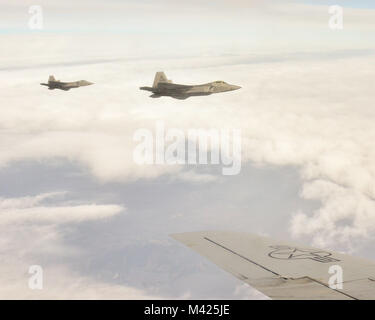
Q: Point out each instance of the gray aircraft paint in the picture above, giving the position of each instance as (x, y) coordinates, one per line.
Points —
(164, 87)
(57, 84)
(282, 270)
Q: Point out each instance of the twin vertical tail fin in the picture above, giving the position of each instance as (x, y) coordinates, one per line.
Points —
(51, 78)
(160, 77)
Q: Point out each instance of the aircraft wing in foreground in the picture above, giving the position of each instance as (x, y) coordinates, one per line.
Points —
(283, 270)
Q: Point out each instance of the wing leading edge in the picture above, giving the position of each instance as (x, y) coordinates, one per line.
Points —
(283, 270)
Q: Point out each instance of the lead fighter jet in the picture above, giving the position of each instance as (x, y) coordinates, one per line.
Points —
(164, 87)
(57, 84)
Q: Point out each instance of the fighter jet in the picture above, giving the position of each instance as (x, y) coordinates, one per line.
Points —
(164, 87)
(57, 84)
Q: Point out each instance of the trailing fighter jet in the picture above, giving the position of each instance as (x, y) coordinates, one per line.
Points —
(164, 87)
(283, 270)
(57, 84)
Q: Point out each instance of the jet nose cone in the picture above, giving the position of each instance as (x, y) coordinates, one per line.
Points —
(86, 83)
(235, 87)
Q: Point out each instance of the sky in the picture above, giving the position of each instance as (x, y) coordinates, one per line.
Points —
(73, 200)
(347, 3)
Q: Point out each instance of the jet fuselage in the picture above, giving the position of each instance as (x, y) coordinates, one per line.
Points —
(56, 84)
(164, 87)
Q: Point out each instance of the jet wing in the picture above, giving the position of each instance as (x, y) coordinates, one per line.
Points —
(74, 84)
(284, 270)
(174, 86)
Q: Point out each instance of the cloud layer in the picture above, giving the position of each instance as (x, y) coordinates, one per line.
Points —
(27, 209)
(314, 115)
(30, 228)
(306, 103)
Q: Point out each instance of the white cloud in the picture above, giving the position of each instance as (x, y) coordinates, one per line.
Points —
(28, 210)
(307, 105)
(60, 283)
(315, 114)
(345, 217)
(27, 202)
(24, 242)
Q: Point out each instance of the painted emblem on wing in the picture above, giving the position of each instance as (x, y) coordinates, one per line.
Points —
(293, 253)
